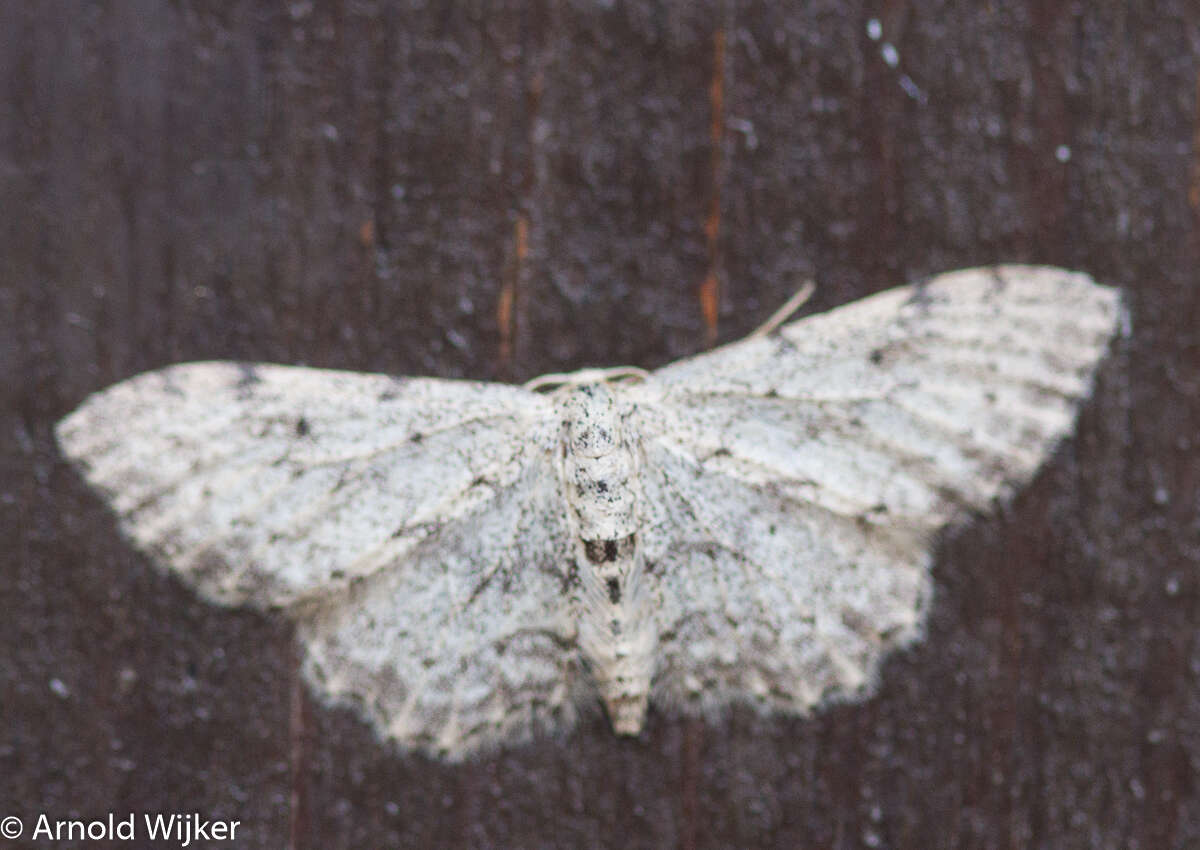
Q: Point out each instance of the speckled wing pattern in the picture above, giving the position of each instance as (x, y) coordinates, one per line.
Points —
(408, 524)
(467, 562)
(799, 477)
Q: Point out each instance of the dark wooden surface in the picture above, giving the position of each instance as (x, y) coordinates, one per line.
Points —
(495, 192)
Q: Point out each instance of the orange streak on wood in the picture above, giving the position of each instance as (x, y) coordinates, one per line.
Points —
(710, 289)
(716, 89)
(709, 292)
(366, 233)
(505, 312)
(712, 224)
(522, 238)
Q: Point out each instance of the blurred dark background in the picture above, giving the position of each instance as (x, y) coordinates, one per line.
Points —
(496, 191)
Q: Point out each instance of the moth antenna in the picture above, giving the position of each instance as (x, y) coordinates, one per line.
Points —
(585, 376)
(784, 313)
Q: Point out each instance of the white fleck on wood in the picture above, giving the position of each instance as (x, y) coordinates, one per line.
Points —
(468, 562)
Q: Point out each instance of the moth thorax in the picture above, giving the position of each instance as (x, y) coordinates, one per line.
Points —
(599, 466)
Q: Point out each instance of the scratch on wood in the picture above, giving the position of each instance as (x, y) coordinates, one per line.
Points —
(1194, 171)
(299, 826)
(693, 731)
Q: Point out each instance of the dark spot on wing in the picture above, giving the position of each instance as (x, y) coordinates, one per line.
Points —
(393, 392)
(872, 514)
(424, 529)
(858, 622)
(607, 551)
(601, 551)
(594, 549)
(416, 437)
(876, 356)
(570, 578)
(783, 345)
(921, 298)
(247, 377)
(479, 588)
(302, 428)
(614, 591)
(167, 378)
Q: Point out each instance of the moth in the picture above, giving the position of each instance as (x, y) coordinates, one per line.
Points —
(469, 562)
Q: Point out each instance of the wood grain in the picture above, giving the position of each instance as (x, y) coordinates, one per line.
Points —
(339, 184)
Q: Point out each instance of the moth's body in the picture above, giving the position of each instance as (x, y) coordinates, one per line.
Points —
(751, 525)
(599, 467)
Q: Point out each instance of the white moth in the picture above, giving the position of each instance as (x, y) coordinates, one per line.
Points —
(466, 562)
